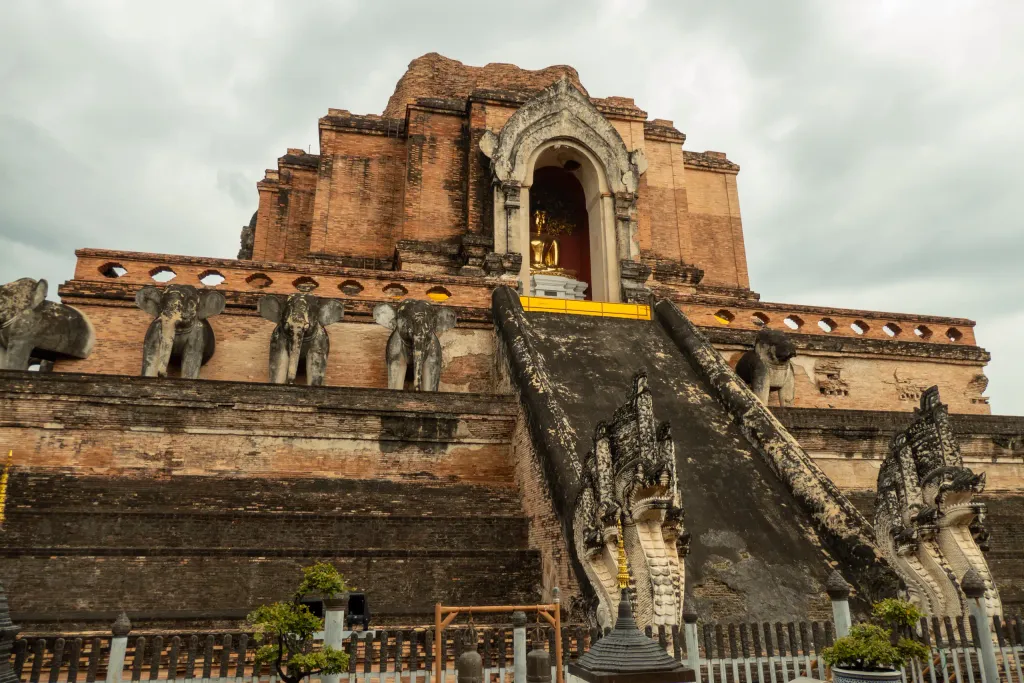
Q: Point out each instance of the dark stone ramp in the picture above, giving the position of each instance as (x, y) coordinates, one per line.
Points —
(755, 552)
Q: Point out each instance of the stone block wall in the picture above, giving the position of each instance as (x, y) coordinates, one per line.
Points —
(189, 502)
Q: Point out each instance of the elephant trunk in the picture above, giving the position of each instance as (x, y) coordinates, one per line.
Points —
(294, 352)
(168, 328)
(419, 353)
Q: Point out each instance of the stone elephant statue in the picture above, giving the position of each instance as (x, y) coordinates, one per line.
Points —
(33, 329)
(416, 326)
(300, 334)
(180, 329)
(769, 366)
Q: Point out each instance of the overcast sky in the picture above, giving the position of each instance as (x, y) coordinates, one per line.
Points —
(882, 141)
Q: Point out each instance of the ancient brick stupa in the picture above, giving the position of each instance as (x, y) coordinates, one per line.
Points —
(445, 360)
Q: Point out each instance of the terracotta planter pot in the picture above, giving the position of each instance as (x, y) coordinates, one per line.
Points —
(840, 675)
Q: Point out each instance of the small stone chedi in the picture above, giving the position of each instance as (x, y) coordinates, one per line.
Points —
(631, 475)
(626, 655)
(300, 335)
(770, 366)
(180, 329)
(415, 327)
(926, 519)
(33, 328)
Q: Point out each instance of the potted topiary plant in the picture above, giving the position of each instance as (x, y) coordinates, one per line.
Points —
(876, 651)
(291, 626)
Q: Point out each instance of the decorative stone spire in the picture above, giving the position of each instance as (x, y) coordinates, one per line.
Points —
(623, 563)
(837, 587)
(973, 585)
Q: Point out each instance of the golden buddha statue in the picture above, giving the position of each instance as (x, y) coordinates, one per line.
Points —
(544, 251)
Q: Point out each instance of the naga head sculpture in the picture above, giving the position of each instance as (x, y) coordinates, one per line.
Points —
(927, 522)
(630, 476)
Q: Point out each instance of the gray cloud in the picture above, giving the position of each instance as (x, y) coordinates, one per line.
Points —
(880, 141)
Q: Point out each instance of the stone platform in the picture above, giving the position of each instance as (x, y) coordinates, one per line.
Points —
(187, 503)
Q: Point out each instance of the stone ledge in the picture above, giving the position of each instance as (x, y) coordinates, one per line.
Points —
(854, 345)
(710, 161)
(178, 406)
(889, 421)
(174, 551)
(228, 394)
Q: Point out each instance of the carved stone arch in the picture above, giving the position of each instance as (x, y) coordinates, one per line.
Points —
(563, 113)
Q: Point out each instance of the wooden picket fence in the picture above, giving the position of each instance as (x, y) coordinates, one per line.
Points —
(725, 653)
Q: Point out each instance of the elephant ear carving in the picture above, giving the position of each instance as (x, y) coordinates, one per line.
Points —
(148, 299)
(21, 295)
(444, 319)
(331, 311)
(210, 304)
(271, 307)
(385, 314)
(39, 294)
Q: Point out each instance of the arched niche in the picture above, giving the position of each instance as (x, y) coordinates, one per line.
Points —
(561, 123)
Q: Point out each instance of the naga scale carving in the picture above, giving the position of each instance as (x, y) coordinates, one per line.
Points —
(631, 475)
(926, 519)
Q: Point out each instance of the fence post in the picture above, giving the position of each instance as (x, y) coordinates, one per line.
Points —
(334, 625)
(118, 646)
(519, 646)
(974, 588)
(8, 632)
(839, 593)
(692, 646)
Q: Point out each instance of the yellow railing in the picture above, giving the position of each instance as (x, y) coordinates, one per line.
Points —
(3, 486)
(540, 304)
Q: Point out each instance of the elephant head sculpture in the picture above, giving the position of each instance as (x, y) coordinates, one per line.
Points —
(416, 326)
(33, 329)
(180, 329)
(300, 334)
(770, 366)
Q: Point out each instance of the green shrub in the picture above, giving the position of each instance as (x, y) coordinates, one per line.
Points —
(291, 626)
(885, 645)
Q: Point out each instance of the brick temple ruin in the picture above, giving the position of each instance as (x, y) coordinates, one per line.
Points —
(556, 293)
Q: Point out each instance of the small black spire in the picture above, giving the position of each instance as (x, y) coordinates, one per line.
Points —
(627, 654)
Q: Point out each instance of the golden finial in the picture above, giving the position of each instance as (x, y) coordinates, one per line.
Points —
(623, 567)
(3, 486)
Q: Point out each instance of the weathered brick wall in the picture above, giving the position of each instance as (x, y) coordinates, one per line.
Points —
(715, 227)
(663, 205)
(402, 586)
(849, 445)
(882, 383)
(358, 206)
(104, 424)
(545, 531)
(433, 75)
(191, 501)
(357, 357)
(416, 173)
(436, 175)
